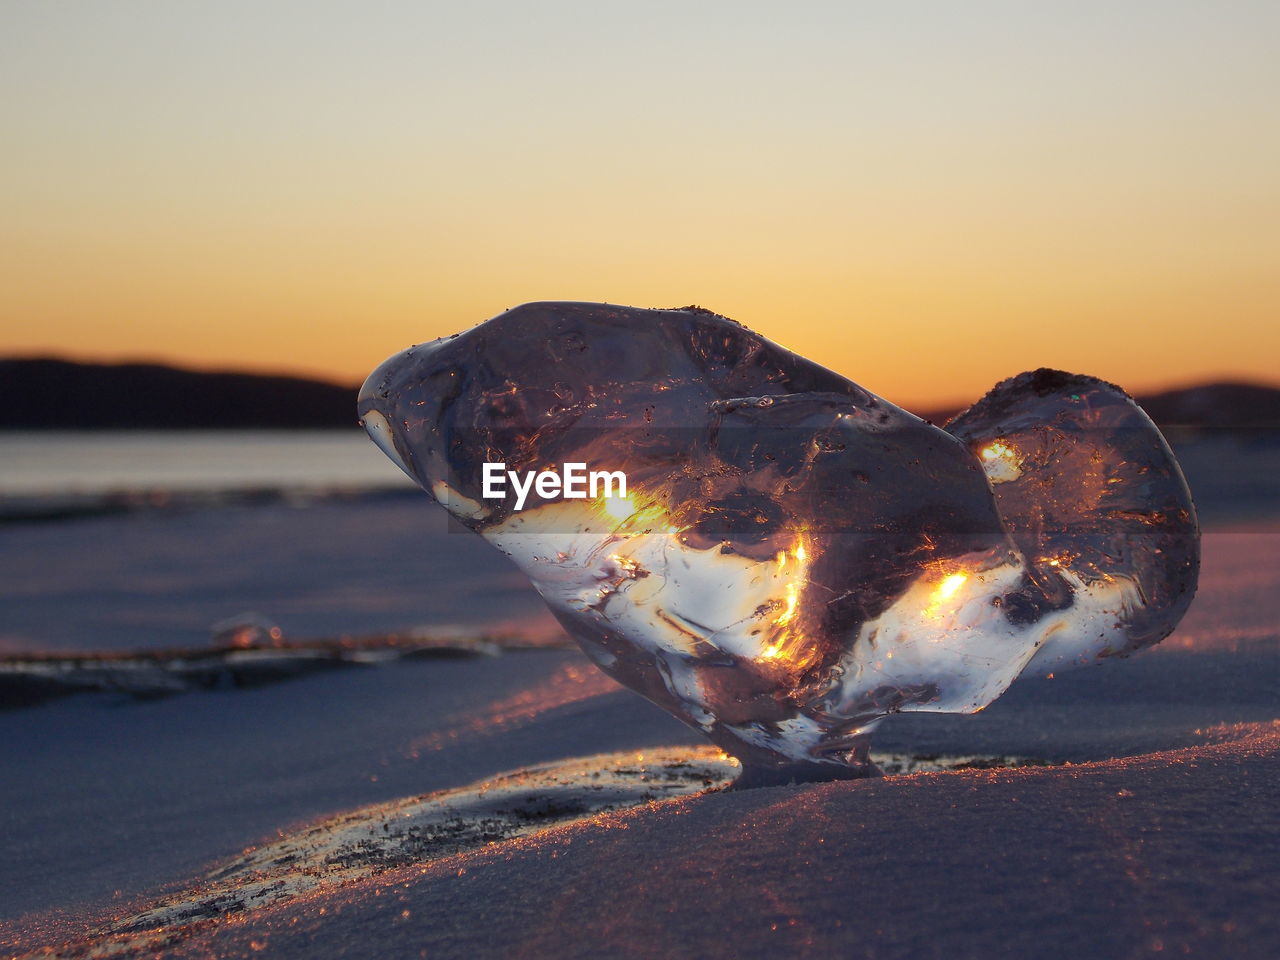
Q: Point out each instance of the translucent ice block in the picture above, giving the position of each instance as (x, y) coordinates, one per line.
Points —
(794, 557)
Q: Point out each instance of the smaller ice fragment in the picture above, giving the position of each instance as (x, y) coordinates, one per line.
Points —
(1096, 503)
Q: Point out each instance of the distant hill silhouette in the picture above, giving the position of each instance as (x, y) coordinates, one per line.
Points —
(1214, 406)
(60, 394)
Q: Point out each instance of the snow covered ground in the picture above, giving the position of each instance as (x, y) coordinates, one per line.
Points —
(1160, 836)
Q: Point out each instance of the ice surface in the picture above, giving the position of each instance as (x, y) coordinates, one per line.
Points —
(796, 557)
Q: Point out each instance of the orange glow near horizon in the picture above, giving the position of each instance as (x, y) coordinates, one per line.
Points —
(926, 202)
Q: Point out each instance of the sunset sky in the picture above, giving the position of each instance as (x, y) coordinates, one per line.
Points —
(926, 196)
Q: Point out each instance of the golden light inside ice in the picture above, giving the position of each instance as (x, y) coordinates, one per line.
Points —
(946, 589)
(792, 564)
(638, 512)
(1001, 461)
(620, 508)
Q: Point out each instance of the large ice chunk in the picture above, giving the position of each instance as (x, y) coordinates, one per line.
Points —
(795, 557)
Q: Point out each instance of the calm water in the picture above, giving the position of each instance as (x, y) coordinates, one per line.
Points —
(106, 462)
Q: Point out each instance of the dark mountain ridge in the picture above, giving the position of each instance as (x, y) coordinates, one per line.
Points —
(46, 393)
(53, 394)
(1209, 406)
